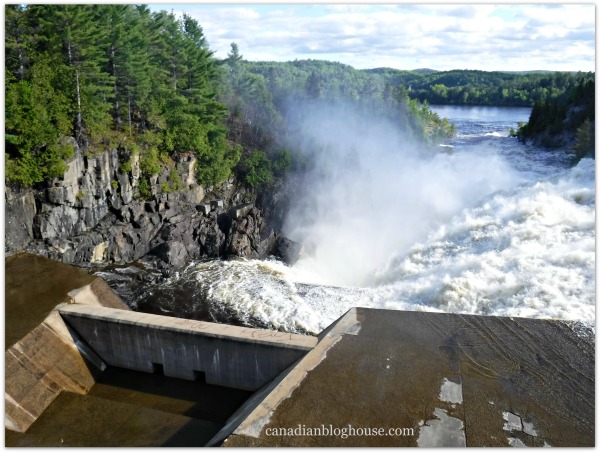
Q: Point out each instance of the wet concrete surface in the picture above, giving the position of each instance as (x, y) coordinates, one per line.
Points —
(446, 380)
(133, 409)
(33, 286)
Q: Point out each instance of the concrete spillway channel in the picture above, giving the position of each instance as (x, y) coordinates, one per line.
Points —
(93, 373)
(112, 376)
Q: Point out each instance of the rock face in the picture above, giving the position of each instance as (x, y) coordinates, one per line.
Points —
(245, 238)
(19, 214)
(95, 214)
(287, 250)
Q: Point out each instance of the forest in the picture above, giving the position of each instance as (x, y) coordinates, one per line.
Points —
(469, 87)
(554, 123)
(123, 77)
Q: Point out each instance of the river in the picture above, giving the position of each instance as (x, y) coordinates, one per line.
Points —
(487, 225)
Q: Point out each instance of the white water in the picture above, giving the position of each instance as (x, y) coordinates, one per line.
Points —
(515, 236)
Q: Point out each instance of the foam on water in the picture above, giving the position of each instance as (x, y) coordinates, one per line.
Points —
(526, 252)
(493, 227)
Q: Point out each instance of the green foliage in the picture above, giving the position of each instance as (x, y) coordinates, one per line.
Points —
(257, 169)
(114, 184)
(473, 87)
(144, 188)
(175, 180)
(282, 163)
(573, 114)
(253, 119)
(149, 162)
(585, 140)
(80, 195)
(330, 83)
(111, 76)
(216, 167)
(36, 118)
(122, 76)
(125, 166)
(173, 183)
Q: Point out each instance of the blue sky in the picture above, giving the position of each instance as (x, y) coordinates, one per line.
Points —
(516, 37)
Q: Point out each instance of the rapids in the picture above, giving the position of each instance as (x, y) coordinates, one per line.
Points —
(515, 236)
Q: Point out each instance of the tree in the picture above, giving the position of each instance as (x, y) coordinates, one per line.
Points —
(585, 140)
(37, 116)
(74, 34)
(20, 39)
(97, 71)
(314, 86)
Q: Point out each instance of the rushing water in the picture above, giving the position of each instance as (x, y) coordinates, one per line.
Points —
(521, 242)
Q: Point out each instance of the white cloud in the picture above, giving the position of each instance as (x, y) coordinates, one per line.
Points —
(404, 36)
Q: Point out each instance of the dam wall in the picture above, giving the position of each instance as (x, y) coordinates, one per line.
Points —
(231, 356)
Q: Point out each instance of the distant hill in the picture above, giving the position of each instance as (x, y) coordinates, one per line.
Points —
(475, 87)
(455, 87)
(425, 70)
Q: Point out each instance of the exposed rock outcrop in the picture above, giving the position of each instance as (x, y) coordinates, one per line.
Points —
(95, 214)
(287, 250)
(245, 235)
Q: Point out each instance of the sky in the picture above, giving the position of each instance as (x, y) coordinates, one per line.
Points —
(505, 37)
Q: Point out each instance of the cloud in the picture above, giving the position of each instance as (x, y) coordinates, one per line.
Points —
(474, 36)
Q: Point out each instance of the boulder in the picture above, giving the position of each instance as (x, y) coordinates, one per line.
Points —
(287, 250)
(244, 234)
(216, 204)
(204, 208)
(173, 253)
(241, 210)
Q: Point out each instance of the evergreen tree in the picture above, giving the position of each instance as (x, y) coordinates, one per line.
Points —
(74, 32)
(585, 140)
(20, 39)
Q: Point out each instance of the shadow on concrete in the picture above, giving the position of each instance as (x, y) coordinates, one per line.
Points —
(195, 399)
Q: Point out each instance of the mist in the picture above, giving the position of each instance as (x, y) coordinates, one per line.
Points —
(369, 191)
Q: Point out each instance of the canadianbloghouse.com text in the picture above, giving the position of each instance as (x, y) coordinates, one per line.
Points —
(343, 432)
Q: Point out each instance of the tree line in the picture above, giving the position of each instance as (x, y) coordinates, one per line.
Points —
(121, 76)
(110, 76)
(552, 123)
(495, 88)
(261, 94)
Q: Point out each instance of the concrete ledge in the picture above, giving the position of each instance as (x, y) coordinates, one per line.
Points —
(230, 356)
(208, 329)
(49, 357)
(97, 293)
(47, 361)
(240, 211)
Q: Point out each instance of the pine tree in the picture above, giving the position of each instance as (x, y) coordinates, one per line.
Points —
(20, 39)
(74, 32)
(585, 140)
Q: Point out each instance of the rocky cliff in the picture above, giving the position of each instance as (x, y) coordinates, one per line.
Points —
(95, 214)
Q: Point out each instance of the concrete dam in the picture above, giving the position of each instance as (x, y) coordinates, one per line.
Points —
(86, 371)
